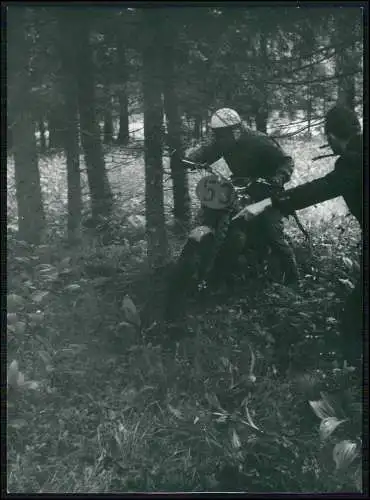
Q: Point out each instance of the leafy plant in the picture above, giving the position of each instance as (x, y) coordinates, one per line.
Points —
(346, 453)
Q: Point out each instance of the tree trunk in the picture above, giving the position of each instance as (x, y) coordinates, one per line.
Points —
(262, 108)
(197, 127)
(31, 219)
(41, 126)
(207, 125)
(56, 129)
(71, 135)
(345, 62)
(309, 109)
(261, 117)
(73, 171)
(309, 41)
(51, 130)
(346, 84)
(108, 123)
(100, 192)
(123, 134)
(9, 138)
(181, 199)
(153, 132)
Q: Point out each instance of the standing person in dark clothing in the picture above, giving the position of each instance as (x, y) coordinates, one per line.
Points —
(343, 132)
(253, 156)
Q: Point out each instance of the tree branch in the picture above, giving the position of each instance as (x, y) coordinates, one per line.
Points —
(292, 134)
(310, 55)
(296, 70)
(309, 82)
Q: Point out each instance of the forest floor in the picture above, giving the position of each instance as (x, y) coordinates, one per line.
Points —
(108, 409)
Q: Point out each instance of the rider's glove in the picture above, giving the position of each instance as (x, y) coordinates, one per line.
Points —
(281, 202)
(260, 189)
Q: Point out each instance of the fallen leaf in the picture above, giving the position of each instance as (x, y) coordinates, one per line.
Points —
(358, 478)
(15, 303)
(347, 283)
(235, 440)
(17, 423)
(137, 221)
(65, 262)
(19, 327)
(22, 260)
(20, 380)
(74, 349)
(38, 297)
(72, 287)
(177, 413)
(13, 372)
(37, 317)
(328, 426)
(45, 357)
(344, 453)
(331, 320)
(32, 384)
(11, 318)
(125, 323)
(322, 409)
(348, 262)
(130, 311)
(102, 280)
(249, 418)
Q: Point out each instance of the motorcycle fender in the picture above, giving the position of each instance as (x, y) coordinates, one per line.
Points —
(200, 232)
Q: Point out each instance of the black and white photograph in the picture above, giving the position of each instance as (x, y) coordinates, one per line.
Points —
(186, 272)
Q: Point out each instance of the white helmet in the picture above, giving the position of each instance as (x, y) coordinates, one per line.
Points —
(225, 117)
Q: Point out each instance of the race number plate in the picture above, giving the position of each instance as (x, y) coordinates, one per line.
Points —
(215, 193)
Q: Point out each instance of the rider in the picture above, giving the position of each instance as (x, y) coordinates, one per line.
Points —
(252, 156)
(344, 136)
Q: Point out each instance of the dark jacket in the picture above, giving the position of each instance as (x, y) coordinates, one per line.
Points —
(345, 180)
(254, 155)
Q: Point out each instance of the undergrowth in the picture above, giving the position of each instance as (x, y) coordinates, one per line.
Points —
(97, 402)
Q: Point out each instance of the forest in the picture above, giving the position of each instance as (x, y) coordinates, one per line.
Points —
(102, 104)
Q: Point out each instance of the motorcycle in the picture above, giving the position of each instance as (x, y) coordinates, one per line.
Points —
(220, 247)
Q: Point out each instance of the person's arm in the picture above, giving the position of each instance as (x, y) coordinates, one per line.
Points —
(311, 193)
(344, 177)
(281, 164)
(296, 198)
(205, 152)
(284, 171)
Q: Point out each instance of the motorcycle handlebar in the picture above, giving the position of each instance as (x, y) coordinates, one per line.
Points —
(193, 165)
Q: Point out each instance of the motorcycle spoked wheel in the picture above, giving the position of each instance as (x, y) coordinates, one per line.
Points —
(187, 276)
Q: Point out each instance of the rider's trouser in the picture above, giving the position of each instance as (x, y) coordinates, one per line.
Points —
(272, 228)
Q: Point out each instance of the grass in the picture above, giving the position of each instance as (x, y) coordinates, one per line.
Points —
(112, 410)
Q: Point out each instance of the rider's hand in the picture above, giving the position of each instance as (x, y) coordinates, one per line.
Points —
(260, 189)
